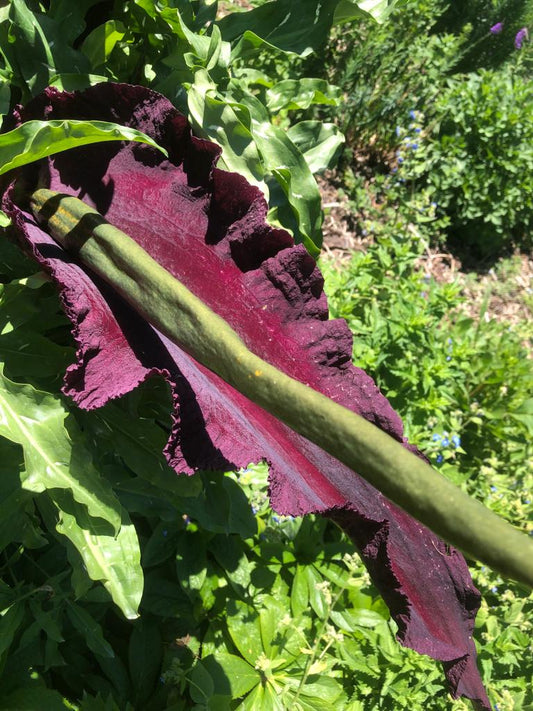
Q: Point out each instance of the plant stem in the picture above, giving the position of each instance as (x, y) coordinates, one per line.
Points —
(170, 307)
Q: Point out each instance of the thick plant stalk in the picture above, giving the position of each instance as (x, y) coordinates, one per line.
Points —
(168, 305)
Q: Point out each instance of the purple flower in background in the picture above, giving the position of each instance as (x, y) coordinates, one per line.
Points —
(521, 35)
(497, 28)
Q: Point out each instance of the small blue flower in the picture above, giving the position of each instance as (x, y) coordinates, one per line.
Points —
(165, 533)
(417, 129)
(400, 159)
(398, 130)
(414, 146)
(456, 440)
(494, 589)
(494, 488)
(445, 442)
(254, 509)
(412, 114)
(434, 204)
(448, 358)
(439, 458)
(436, 437)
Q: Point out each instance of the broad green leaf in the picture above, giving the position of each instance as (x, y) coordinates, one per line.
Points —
(245, 631)
(10, 621)
(33, 697)
(352, 620)
(5, 98)
(70, 16)
(202, 687)
(16, 506)
(263, 698)
(299, 592)
(320, 143)
(284, 160)
(241, 676)
(145, 654)
(40, 50)
(30, 51)
(348, 10)
(140, 442)
(297, 26)
(76, 82)
(113, 559)
(295, 94)
(34, 140)
(54, 458)
(28, 354)
(228, 124)
(524, 414)
(90, 629)
(101, 41)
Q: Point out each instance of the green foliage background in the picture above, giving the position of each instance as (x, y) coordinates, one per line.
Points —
(241, 608)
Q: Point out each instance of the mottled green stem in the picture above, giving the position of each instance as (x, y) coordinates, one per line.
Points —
(169, 306)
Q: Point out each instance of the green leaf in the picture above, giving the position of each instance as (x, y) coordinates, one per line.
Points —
(34, 140)
(348, 10)
(292, 94)
(145, 654)
(299, 592)
(238, 677)
(28, 354)
(17, 522)
(202, 686)
(34, 697)
(524, 414)
(320, 143)
(40, 50)
(76, 82)
(70, 17)
(228, 124)
(294, 26)
(90, 630)
(245, 630)
(30, 51)
(10, 621)
(287, 164)
(99, 44)
(113, 559)
(54, 459)
(352, 620)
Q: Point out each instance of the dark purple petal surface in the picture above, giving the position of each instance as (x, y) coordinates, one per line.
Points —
(208, 228)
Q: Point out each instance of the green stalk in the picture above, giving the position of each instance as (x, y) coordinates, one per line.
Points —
(169, 306)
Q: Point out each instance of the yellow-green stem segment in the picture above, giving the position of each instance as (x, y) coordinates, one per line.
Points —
(169, 306)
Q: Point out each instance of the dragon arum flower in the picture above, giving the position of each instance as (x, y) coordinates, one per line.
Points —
(207, 228)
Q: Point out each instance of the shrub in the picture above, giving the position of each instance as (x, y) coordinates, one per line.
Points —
(475, 156)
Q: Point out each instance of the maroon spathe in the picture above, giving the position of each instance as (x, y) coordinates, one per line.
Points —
(207, 227)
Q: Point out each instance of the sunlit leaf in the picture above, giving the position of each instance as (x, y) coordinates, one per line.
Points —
(37, 139)
(36, 420)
